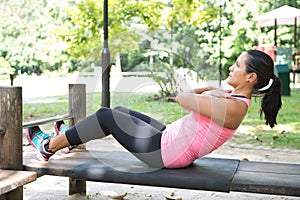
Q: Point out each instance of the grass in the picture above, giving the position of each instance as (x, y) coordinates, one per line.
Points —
(37, 111)
(252, 131)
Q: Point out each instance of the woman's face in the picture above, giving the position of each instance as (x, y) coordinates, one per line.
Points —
(238, 74)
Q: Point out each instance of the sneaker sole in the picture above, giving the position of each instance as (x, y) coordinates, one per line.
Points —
(56, 129)
(38, 153)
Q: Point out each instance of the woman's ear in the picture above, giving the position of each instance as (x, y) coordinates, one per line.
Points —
(252, 77)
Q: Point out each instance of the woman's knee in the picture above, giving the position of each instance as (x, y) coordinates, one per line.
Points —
(102, 112)
(121, 108)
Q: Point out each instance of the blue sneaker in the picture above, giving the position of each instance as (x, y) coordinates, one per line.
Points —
(39, 140)
(60, 128)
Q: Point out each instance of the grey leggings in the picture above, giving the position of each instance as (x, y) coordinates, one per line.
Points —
(138, 133)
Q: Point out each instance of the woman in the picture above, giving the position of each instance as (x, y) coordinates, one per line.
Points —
(214, 117)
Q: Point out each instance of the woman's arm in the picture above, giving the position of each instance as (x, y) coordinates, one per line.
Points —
(213, 91)
(226, 112)
(200, 90)
(191, 92)
(203, 89)
(196, 91)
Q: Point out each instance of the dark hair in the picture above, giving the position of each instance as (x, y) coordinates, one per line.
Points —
(263, 65)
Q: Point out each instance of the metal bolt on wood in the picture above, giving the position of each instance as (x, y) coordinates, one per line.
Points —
(2, 130)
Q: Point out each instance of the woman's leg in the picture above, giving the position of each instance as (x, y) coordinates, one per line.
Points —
(136, 135)
(156, 124)
(85, 130)
(58, 143)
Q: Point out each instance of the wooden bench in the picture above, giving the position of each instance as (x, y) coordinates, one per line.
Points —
(211, 174)
(12, 179)
(11, 125)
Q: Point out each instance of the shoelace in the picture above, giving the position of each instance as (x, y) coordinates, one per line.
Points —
(64, 129)
(42, 134)
(52, 134)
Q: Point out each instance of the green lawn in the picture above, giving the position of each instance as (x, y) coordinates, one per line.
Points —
(252, 131)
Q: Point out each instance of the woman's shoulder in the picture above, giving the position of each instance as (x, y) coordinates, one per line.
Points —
(241, 98)
(236, 109)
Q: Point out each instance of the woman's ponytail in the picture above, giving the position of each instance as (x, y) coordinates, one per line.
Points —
(268, 85)
(271, 102)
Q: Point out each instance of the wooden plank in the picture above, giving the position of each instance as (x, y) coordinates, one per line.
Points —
(268, 167)
(11, 179)
(267, 178)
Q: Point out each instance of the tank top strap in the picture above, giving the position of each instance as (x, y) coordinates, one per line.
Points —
(242, 98)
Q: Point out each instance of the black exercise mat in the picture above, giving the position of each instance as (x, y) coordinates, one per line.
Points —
(122, 167)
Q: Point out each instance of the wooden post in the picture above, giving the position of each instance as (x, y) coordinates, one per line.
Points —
(77, 107)
(11, 156)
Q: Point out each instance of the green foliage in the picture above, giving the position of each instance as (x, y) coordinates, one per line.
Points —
(83, 31)
(188, 12)
(26, 42)
(134, 61)
(164, 75)
(62, 35)
(5, 67)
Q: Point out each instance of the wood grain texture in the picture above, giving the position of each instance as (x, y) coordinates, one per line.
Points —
(11, 179)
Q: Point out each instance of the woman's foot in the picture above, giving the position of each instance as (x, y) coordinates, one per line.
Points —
(39, 140)
(60, 128)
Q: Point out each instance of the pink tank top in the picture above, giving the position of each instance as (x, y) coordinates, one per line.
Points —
(192, 137)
